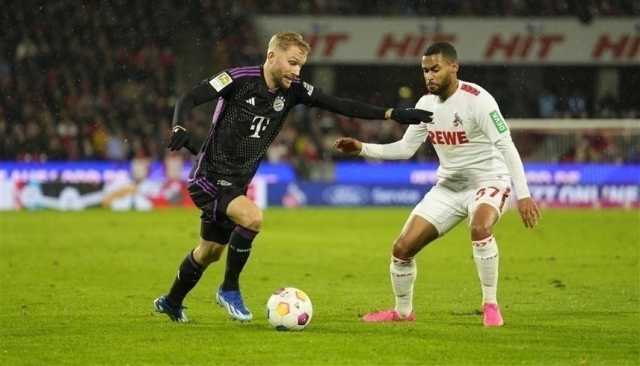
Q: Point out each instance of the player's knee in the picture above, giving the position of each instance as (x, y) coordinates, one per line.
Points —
(402, 248)
(252, 220)
(480, 231)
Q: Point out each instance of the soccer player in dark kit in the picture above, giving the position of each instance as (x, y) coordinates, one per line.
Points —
(252, 104)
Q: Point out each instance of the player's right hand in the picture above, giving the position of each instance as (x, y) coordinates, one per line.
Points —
(411, 116)
(179, 138)
(348, 145)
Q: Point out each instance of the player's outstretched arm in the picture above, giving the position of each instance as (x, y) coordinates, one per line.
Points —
(404, 148)
(354, 108)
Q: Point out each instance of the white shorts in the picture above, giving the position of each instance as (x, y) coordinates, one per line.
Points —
(445, 208)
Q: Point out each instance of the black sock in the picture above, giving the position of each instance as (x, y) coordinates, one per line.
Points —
(188, 275)
(237, 255)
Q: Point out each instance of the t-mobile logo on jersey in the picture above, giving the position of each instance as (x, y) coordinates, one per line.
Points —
(258, 125)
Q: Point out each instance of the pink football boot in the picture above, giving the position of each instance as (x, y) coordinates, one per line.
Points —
(491, 315)
(387, 316)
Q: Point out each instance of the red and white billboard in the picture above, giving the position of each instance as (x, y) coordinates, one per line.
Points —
(389, 40)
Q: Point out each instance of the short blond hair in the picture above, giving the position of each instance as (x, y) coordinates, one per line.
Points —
(284, 40)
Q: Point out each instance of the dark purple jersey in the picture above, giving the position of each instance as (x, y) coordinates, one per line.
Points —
(246, 120)
(248, 117)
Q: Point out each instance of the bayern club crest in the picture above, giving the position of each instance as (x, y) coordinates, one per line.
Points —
(278, 104)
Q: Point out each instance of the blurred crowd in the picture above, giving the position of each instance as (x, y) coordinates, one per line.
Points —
(98, 80)
(82, 80)
(586, 9)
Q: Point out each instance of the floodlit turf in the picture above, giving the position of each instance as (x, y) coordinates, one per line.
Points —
(77, 288)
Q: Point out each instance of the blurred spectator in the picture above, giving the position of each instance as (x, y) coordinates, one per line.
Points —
(547, 104)
(405, 98)
(607, 107)
(577, 105)
(116, 148)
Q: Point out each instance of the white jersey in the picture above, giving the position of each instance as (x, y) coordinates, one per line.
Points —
(469, 135)
(463, 133)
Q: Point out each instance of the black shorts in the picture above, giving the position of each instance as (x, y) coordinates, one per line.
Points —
(212, 200)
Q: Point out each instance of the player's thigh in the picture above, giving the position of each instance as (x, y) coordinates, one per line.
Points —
(442, 207)
(488, 201)
(415, 235)
(215, 226)
(244, 212)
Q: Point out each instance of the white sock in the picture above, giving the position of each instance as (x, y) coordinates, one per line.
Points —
(485, 254)
(403, 275)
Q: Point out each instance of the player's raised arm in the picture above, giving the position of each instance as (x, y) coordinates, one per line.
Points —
(494, 126)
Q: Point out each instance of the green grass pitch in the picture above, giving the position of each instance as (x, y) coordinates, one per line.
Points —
(77, 288)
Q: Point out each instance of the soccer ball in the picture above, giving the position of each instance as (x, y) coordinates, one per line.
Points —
(289, 309)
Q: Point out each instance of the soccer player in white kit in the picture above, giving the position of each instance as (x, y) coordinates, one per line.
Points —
(477, 162)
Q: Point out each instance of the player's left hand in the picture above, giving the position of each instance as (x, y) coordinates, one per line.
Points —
(529, 212)
(411, 116)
